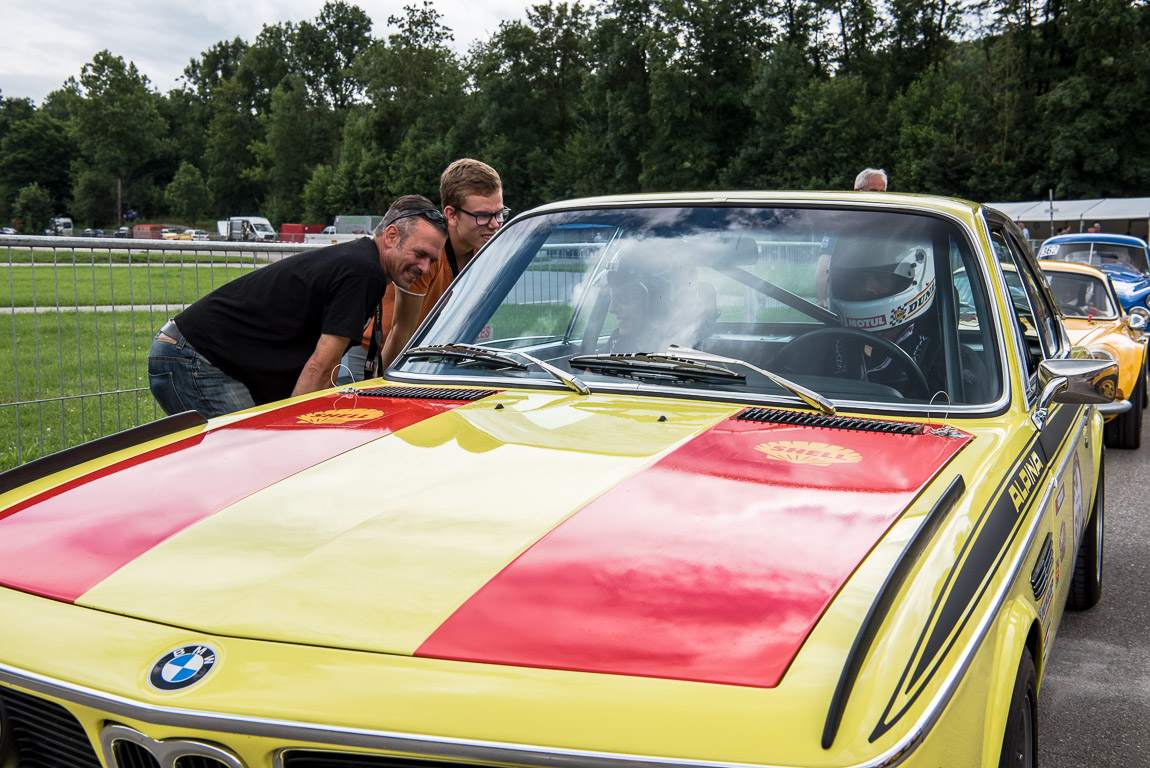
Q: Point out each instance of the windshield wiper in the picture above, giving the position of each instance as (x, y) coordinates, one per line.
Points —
(653, 365)
(808, 396)
(502, 357)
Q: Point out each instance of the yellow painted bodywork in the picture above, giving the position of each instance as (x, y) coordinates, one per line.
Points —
(281, 683)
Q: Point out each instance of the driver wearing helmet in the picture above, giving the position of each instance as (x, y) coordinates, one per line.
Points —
(887, 288)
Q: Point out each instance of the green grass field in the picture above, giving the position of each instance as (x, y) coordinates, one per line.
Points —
(59, 361)
(70, 376)
(87, 285)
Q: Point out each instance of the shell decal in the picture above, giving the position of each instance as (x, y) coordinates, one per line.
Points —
(340, 416)
(811, 453)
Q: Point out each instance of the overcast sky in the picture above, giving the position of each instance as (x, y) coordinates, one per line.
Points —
(44, 42)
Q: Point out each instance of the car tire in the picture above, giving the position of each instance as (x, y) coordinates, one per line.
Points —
(1125, 429)
(1020, 740)
(1086, 583)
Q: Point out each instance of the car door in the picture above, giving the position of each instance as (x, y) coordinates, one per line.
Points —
(1061, 466)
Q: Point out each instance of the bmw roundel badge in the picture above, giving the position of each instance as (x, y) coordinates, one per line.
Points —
(182, 667)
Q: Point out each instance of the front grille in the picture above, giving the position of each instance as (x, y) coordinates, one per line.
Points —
(198, 761)
(308, 759)
(427, 393)
(798, 419)
(45, 734)
(129, 755)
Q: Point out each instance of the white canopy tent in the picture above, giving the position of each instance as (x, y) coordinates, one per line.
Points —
(1117, 215)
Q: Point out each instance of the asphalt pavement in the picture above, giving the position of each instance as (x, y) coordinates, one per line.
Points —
(1094, 706)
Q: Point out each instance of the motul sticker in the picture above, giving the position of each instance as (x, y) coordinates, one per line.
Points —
(878, 321)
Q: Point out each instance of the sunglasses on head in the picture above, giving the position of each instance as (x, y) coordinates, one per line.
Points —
(431, 214)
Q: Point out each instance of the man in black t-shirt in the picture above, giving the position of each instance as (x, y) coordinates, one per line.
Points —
(279, 331)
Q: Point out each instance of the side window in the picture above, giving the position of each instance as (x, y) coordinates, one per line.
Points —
(1045, 313)
(1034, 317)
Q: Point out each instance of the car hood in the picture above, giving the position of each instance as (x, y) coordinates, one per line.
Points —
(1126, 281)
(1083, 332)
(613, 534)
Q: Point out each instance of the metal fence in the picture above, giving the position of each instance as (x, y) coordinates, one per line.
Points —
(80, 316)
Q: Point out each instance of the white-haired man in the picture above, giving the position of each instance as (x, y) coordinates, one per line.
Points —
(871, 180)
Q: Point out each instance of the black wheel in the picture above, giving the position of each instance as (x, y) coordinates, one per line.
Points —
(798, 355)
(1125, 429)
(1020, 741)
(1086, 583)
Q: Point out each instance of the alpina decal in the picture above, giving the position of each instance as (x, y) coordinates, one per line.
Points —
(182, 667)
(342, 416)
(804, 452)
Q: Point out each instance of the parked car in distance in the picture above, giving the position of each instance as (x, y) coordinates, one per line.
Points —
(1094, 319)
(8, 231)
(169, 234)
(732, 483)
(1124, 257)
(89, 232)
(124, 232)
(194, 234)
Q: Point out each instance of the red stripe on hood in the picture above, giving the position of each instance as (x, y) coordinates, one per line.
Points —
(712, 565)
(62, 542)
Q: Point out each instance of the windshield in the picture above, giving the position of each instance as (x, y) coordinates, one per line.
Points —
(1097, 254)
(1082, 295)
(855, 305)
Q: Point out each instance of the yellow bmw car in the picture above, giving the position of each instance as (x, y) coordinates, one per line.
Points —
(727, 480)
(1094, 319)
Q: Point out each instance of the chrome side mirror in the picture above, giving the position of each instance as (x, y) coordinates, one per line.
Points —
(1081, 381)
(1138, 318)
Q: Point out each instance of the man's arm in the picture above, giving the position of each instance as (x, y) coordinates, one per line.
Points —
(405, 318)
(317, 371)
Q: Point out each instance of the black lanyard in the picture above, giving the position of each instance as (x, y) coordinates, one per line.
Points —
(376, 344)
(451, 258)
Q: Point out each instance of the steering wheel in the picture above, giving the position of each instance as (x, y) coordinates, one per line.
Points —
(815, 346)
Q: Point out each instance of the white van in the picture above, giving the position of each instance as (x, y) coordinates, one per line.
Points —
(247, 228)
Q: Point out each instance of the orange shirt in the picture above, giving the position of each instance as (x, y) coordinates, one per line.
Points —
(432, 284)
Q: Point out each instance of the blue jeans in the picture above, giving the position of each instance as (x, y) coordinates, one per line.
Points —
(353, 359)
(181, 379)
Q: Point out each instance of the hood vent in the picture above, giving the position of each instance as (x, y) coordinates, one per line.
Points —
(425, 393)
(794, 418)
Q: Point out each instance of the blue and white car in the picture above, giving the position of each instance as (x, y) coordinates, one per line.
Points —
(1123, 257)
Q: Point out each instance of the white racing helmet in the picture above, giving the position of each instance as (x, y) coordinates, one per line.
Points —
(879, 284)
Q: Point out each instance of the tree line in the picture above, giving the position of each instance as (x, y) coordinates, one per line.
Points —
(982, 99)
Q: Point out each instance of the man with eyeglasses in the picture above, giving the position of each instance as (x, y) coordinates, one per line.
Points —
(472, 196)
(279, 331)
